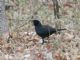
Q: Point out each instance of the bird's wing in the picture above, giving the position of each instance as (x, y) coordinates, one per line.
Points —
(50, 29)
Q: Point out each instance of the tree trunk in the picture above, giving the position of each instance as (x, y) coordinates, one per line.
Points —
(3, 21)
(56, 8)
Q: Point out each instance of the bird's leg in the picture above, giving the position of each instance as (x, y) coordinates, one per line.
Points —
(43, 41)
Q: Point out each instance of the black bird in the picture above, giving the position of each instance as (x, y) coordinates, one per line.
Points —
(44, 30)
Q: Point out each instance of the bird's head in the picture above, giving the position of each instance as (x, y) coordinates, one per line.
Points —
(36, 23)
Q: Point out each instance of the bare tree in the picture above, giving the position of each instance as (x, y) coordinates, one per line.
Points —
(3, 21)
(56, 8)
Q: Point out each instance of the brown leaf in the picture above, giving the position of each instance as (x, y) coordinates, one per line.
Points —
(67, 5)
(39, 56)
(20, 49)
(1, 41)
(58, 56)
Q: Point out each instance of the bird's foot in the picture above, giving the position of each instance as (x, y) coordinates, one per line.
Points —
(44, 42)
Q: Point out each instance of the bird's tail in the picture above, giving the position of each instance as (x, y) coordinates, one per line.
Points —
(60, 29)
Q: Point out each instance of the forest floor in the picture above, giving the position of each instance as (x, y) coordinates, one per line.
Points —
(63, 46)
